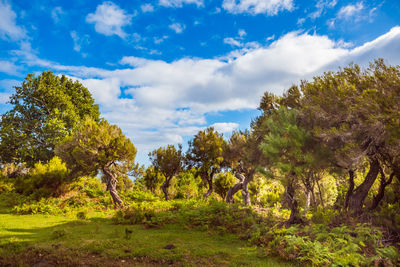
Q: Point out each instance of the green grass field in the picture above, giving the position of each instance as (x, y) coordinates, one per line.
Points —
(45, 240)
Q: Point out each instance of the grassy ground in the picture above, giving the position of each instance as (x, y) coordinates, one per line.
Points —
(44, 240)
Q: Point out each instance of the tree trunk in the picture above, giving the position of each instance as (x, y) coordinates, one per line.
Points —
(320, 196)
(308, 199)
(350, 190)
(112, 186)
(245, 192)
(293, 205)
(381, 190)
(210, 188)
(356, 200)
(232, 191)
(164, 188)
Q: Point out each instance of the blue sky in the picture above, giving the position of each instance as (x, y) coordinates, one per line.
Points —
(164, 69)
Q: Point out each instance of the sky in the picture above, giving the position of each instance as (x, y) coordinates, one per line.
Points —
(164, 69)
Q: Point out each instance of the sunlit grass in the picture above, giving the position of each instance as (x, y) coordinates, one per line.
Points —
(98, 236)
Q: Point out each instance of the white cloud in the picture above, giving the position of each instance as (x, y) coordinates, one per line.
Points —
(9, 30)
(147, 8)
(56, 14)
(180, 3)
(242, 33)
(350, 11)
(225, 127)
(159, 40)
(232, 42)
(79, 41)
(109, 19)
(166, 101)
(269, 7)
(8, 67)
(177, 27)
(321, 6)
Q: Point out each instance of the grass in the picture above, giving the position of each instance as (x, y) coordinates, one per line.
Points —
(45, 240)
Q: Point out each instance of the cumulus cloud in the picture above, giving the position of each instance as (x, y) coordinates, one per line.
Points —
(269, 7)
(177, 27)
(9, 30)
(166, 101)
(180, 3)
(109, 19)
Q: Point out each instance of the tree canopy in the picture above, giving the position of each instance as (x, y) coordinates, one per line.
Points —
(94, 147)
(45, 109)
(206, 152)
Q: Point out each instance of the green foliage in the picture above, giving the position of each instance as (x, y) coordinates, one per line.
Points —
(189, 185)
(44, 180)
(205, 153)
(92, 145)
(168, 161)
(223, 182)
(140, 196)
(45, 109)
(153, 179)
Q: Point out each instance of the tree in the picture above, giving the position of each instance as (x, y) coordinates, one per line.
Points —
(243, 156)
(354, 112)
(293, 154)
(169, 162)
(152, 178)
(94, 147)
(45, 109)
(206, 154)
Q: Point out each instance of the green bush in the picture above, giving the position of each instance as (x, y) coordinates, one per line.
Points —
(223, 182)
(44, 180)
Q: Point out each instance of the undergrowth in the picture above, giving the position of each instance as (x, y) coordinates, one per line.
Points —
(314, 244)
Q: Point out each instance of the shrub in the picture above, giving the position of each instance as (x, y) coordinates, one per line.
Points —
(50, 178)
(222, 182)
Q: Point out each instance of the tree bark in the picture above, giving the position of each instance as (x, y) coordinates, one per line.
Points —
(164, 188)
(356, 200)
(381, 191)
(245, 192)
(350, 190)
(112, 186)
(210, 188)
(232, 191)
(293, 205)
(320, 196)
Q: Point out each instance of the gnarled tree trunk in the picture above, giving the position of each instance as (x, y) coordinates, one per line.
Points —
(381, 191)
(164, 188)
(245, 192)
(350, 190)
(232, 191)
(112, 186)
(356, 200)
(242, 185)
